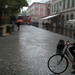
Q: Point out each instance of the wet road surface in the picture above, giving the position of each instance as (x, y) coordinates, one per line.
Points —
(27, 51)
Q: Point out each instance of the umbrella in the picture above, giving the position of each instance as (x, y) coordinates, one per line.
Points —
(19, 20)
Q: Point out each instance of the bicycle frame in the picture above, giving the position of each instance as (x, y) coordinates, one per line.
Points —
(67, 53)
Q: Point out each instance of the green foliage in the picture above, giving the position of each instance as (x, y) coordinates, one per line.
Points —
(13, 6)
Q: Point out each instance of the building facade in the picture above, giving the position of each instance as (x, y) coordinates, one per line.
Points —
(65, 9)
(36, 11)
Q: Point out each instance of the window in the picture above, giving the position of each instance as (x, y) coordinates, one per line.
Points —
(41, 13)
(67, 18)
(57, 5)
(36, 6)
(36, 12)
(73, 3)
(60, 3)
(68, 5)
(42, 7)
(63, 4)
(54, 7)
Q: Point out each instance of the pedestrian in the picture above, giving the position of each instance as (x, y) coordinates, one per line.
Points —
(18, 23)
(74, 35)
(43, 24)
(47, 25)
(12, 21)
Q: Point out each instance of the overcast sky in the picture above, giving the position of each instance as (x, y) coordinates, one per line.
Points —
(31, 1)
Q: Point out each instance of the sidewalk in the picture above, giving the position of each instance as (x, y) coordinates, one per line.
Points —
(27, 51)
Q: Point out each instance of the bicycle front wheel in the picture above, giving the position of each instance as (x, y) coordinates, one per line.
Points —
(57, 64)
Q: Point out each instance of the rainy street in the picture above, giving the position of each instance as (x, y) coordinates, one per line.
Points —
(26, 52)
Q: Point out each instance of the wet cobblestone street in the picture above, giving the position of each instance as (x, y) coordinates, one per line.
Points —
(27, 51)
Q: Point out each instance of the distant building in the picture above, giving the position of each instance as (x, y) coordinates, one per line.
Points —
(37, 11)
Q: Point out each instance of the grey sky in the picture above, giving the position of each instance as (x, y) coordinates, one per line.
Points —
(31, 1)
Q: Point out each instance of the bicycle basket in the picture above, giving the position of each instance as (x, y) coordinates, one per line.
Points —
(60, 47)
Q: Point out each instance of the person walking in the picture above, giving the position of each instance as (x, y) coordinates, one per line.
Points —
(74, 35)
(43, 25)
(47, 25)
(18, 23)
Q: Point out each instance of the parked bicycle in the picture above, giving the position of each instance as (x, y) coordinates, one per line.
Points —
(59, 63)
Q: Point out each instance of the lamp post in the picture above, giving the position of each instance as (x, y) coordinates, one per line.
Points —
(6, 6)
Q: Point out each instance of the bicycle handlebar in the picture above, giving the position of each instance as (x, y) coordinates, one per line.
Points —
(68, 43)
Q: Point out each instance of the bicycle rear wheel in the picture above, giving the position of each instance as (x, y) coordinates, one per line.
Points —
(57, 64)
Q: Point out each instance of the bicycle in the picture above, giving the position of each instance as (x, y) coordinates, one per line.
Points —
(58, 63)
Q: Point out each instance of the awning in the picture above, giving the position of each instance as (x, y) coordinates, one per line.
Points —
(48, 17)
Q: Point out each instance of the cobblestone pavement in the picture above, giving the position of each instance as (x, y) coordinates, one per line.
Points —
(27, 51)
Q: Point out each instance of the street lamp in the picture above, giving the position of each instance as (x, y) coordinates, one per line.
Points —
(6, 6)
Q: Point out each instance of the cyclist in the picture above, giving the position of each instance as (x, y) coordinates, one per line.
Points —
(72, 50)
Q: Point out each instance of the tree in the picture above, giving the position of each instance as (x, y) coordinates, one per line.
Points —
(13, 6)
